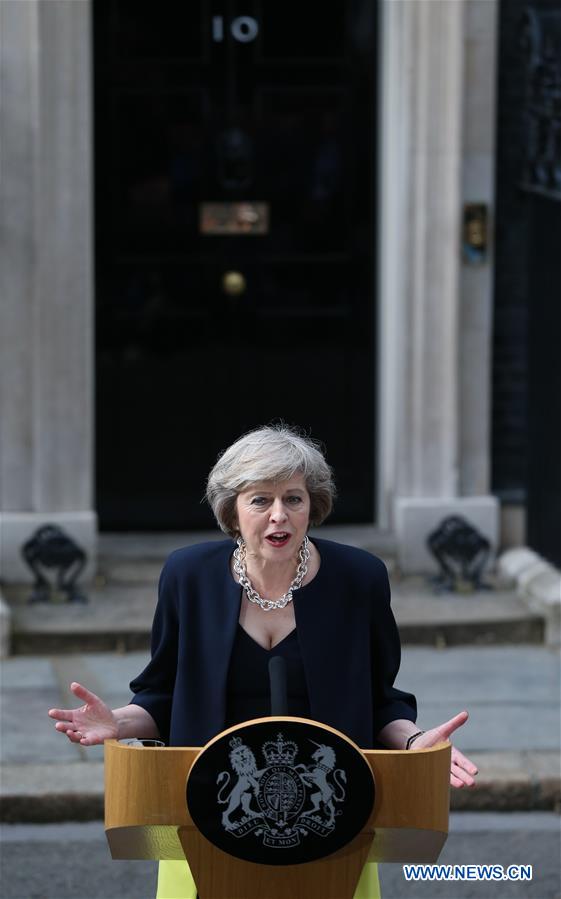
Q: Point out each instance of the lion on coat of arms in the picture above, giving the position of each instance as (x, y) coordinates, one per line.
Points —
(244, 764)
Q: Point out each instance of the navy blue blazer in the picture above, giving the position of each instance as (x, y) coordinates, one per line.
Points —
(346, 630)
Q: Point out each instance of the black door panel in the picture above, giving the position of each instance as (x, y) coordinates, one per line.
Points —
(268, 110)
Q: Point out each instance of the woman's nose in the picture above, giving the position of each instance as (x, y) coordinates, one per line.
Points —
(278, 512)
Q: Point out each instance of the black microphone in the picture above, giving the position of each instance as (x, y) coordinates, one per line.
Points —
(277, 677)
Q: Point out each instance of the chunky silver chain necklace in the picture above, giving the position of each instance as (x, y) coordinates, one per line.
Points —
(268, 604)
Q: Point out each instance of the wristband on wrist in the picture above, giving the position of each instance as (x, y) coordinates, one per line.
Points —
(413, 737)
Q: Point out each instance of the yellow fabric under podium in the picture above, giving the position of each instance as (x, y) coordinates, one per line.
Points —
(176, 882)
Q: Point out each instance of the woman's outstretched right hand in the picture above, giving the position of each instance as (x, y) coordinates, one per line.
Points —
(90, 724)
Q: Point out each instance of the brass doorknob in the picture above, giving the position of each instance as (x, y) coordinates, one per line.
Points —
(233, 283)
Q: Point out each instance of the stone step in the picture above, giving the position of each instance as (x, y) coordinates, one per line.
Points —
(121, 601)
(508, 781)
(118, 616)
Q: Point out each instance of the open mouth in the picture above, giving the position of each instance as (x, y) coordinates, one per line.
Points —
(280, 538)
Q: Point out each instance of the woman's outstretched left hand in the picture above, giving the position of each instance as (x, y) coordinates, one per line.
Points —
(462, 770)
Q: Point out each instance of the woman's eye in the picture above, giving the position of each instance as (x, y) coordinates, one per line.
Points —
(294, 500)
(258, 501)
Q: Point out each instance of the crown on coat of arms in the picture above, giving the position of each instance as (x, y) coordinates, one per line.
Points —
(280, 752)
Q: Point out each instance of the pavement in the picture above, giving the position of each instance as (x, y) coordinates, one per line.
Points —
(483, 651)
(35, 861)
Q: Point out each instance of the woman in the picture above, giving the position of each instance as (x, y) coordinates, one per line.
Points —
(224, 606)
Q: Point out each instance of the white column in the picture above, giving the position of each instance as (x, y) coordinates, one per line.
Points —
(422, 107)
(46, 460)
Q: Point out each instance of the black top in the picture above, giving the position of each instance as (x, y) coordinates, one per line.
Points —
(248, 690)
(346, 632)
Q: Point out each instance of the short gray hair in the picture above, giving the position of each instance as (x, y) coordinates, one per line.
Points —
(273, 453)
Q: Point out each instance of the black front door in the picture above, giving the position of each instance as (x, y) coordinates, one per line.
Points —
(234, 244)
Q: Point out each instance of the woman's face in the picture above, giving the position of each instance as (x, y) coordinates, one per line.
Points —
(273, 518)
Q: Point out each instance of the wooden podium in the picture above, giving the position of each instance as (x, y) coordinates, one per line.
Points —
(146, 817)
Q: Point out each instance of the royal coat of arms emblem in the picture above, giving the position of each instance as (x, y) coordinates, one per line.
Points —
(283, 800)
(280, 791)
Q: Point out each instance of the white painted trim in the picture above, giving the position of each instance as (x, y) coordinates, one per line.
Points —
(419, 178)
(393, 192)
